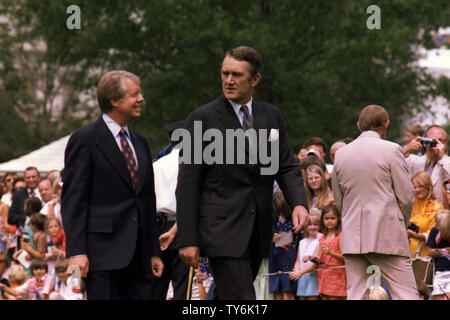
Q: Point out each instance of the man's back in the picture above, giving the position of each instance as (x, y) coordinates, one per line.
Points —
(372, 188)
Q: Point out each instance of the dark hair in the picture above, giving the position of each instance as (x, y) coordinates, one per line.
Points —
(38, 263)
(17, 179)
(61, 265)
(310, 160)
(249, 55)
(38, 220)
(316, 141)
(3, 258)
(280, 206)
(32, 205)
(325, 210)
(33, 168)
(111, 87)
(13, 174)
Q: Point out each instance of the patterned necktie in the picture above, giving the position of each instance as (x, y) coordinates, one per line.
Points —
(32, 194)
(247, 121)
(129, 158)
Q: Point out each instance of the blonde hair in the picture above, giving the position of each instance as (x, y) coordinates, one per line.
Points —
(314, 214)
(16, 273)
(442, 219)
(323, 193)
(377, 293)
(423, 179)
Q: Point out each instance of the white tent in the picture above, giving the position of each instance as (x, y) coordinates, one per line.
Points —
(46, 158)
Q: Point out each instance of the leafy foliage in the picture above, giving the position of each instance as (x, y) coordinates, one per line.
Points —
(321, 64)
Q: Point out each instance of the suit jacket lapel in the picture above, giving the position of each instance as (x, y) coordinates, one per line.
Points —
(108, 146)
(228, 118)
(259, 117)
(226, 115)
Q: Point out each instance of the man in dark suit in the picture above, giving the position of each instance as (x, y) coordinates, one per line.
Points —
(224, 210)
(108, 197)
(16, 214)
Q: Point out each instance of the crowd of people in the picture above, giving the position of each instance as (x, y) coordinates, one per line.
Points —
(32, 239)
(319, 265)
(307, 266)
(117, 226)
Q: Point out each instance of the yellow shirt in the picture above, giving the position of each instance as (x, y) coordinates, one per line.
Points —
(423, 216)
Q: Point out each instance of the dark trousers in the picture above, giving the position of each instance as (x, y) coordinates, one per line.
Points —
(234, 277)
(130, 283)
(174, 269)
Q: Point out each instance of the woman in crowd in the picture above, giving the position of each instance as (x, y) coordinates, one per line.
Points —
(318, 194)
(446, 193)
(422, 215)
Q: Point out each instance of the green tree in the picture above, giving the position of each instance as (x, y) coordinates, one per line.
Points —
(321, 64)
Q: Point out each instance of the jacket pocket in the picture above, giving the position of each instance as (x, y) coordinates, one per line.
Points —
(100, 225)
(213, 211)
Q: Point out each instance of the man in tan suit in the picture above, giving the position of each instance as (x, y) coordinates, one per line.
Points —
(372, 188)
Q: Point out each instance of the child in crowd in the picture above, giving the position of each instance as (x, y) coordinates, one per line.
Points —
(318, 194)
(377, 293)
(3, 272)
(331, 274)
(304, 270)
(65, 286)
(39, 286)
(56, 243)
(16, 278)
(422, 215)
(283, 252)
(36, 245)
(439, 248)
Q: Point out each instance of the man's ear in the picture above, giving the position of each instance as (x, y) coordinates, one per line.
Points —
(256, 79)
(386, 124)
(114, 103)
(357, 124)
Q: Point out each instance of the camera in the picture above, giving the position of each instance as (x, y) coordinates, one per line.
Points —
(311, 152)
(428, 142)
(414, 227)
(315, 260)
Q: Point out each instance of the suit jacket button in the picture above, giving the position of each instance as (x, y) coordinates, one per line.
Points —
(253, 211)
(135, 220)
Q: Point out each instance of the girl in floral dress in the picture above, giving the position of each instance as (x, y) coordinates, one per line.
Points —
(331, 274)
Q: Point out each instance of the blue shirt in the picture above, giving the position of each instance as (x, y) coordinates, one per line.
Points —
(237, 108)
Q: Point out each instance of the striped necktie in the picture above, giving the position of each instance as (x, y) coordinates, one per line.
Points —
(129, 158)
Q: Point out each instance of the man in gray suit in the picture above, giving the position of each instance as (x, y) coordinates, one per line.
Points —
(372, 188)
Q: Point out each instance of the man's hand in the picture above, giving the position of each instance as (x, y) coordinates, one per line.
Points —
(436, 153)
(157, 266)
(300, 218)
(165, 240)
(413, 146)
(81, 262)
(190, 255)
(302, 154)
